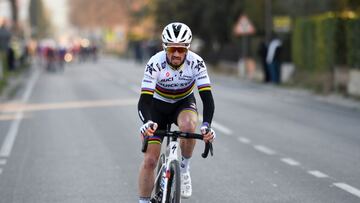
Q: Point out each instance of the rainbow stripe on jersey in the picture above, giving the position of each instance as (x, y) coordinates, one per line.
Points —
(175, 93)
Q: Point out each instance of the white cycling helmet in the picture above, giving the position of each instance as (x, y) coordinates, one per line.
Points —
(176, 33)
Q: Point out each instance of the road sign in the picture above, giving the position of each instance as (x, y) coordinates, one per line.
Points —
(244, 26)
(281, 23)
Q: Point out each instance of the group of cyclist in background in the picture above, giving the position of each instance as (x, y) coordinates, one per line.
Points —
(53, 57)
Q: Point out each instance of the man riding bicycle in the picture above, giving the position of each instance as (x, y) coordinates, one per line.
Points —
(167, 97)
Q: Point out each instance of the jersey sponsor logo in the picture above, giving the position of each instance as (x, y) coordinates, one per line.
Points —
(192, 64)
(175, 85)
(202, 77)
(167, 79)
(147, 76)
(200, 73)
(185, 77)
(150, 68)
(199, 65)
(163, 65)
(147, 81)
(158, 66)
(188, 62)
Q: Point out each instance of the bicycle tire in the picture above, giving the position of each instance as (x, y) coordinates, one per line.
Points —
(173, 187)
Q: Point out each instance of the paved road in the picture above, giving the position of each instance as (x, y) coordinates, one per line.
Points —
(73, 137)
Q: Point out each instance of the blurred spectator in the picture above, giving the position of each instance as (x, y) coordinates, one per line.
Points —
(61, 56)
(11, 58)
(153, 46)
(94, 53)
(138, 51)
(262, 52)
(273, 60)
(24, 53)
(5, 36)
(50, 58)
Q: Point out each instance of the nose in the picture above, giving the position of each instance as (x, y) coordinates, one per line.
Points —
(176, 52)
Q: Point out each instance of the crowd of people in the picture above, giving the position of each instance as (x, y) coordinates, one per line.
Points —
(53, 56)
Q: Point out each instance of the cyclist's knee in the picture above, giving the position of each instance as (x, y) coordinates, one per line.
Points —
(187, 121)
(187, 126)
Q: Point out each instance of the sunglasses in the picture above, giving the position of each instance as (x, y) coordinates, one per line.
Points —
(178, 49)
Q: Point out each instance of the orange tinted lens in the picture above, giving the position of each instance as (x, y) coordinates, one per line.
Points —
(178, 49)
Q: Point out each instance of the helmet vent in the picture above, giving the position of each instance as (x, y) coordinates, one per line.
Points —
(184, 34)
(168, 32)
(176, 28)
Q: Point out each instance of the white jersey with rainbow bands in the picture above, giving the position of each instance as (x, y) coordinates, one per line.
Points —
(170, 85)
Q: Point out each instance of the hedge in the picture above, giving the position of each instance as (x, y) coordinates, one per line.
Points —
(353, 42)
(323, 41)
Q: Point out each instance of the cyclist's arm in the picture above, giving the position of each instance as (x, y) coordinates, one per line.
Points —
(204, 87)
(208, 105)
(147, 90)
(144, 106)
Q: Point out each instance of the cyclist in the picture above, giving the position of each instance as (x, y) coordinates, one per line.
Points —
(167, 97)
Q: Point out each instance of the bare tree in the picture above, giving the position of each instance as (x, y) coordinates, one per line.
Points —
(14, 14)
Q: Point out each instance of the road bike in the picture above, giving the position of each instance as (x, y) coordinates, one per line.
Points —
(167, 182)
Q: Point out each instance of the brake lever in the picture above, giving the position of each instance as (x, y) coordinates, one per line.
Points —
(208, 147)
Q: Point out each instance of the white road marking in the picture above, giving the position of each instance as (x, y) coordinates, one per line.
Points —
(2, 161)
(318, 174)
(221, 128)
(70, 105)
(244, 140)
(290, 161)
(14, 127)
(348, 188)
(264, 149)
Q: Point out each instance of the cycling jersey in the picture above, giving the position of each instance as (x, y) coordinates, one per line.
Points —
(171, 85)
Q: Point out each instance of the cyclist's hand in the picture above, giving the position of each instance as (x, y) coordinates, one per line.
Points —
(208, 132)
(148, 128)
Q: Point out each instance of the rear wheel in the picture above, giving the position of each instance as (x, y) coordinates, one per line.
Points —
(173, 186)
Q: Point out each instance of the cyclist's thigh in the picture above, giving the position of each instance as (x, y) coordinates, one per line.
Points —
(162, 114)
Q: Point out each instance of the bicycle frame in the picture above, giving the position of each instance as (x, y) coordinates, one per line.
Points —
(171, 156)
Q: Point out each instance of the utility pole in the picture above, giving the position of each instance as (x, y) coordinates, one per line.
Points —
(268, 20)
(14, 14)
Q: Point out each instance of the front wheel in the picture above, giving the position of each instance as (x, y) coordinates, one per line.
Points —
(173, 186)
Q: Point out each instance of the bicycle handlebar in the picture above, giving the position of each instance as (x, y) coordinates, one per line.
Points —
(177, 134)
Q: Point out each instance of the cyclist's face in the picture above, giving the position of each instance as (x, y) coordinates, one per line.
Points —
(176, 54)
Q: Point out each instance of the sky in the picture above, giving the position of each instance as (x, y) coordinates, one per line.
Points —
(4, 9)
(58, 10)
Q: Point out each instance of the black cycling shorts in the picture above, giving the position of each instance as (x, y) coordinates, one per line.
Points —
(165, 114)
